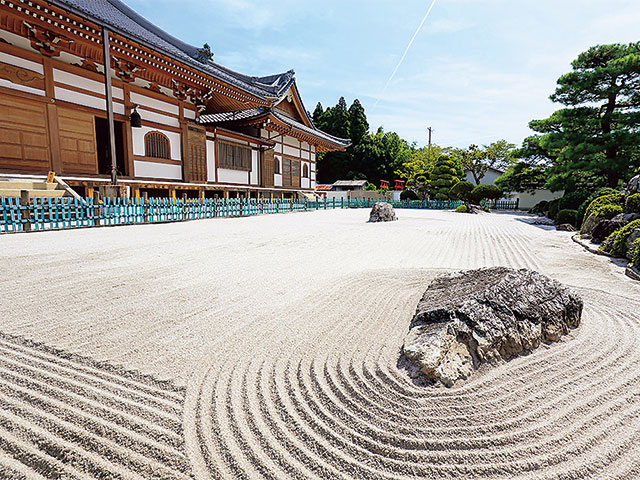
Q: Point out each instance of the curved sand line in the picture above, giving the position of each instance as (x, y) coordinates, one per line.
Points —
(281, 335)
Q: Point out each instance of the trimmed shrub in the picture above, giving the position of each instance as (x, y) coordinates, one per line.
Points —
(615, 243)
(485, 192)
(611, 199)
(567, 216)
(632, 205)
(408, 195)
(553, 208)
(462, 191)
(462, 209)
(598, 193)
(608, 211)
(635, 258)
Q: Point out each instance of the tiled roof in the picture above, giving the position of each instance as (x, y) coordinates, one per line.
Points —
(350, 183)
(119, 18)
(324, 188)
(254, 113)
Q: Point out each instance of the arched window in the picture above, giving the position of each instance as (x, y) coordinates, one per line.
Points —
(305, 171)
(156, 145)
(276, 165)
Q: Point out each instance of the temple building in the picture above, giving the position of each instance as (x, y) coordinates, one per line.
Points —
(182, 124)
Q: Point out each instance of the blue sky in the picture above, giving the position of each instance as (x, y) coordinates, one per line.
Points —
(478, 71)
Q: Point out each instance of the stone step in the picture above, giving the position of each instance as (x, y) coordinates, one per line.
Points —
(26, 185)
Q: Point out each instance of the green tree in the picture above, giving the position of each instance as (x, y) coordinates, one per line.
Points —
(599, 130)
(379, 155)
(478, 161)
(485, 192)
(462, 191)
(358, 124)
(445, 174)
(522, 177)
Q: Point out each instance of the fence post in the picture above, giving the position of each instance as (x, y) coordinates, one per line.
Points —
(96, 208)
(517, 203)
(145, 207)
(25, 200)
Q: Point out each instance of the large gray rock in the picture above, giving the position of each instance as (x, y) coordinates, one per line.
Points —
(633, 186)
(481, 316)
(382, 212)
(606, 228)
(589, 224)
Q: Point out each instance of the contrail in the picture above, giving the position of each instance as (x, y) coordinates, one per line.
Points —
(406, 50)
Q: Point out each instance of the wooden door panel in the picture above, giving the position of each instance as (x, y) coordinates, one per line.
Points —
(267, 168)
(77, 141)
(24, 135)
(195, 154)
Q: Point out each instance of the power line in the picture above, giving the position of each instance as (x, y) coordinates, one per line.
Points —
(406, 50)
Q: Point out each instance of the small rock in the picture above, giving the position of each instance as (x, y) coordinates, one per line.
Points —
(566, 227)
(605, 228)
(626, 217)
(633, 186)
(483, 316)
(382, 212)
(589, 224)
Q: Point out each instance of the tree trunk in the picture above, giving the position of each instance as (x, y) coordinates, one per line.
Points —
(612, 152)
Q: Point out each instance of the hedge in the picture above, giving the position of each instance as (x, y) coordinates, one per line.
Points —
(611, 199)
(615, 243)
(567, 216)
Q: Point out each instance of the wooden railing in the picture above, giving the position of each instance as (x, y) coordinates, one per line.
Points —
(21, 214)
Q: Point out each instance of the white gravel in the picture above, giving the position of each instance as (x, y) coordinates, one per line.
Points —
(278, 336)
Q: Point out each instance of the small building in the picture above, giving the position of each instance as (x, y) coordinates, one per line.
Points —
(182, 123)
(349, 185)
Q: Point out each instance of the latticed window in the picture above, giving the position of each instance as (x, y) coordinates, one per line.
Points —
(156, 145)
(305, 171)
(233, 156)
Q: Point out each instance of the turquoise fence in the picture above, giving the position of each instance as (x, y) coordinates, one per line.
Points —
(61, 213)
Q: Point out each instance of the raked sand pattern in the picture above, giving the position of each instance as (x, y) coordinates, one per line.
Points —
(267, 347)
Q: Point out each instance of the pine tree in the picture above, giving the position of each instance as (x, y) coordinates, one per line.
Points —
(599, 131)
(358, 125)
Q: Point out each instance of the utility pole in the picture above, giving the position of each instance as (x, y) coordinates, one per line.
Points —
(430, 130)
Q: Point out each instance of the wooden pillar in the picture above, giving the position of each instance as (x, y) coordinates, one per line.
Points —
(109, 99)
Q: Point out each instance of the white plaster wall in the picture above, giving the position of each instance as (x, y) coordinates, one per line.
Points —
(158, 118)
(305, 183)
(277, 180)
(138, 141)
(278, 148)
(294, 152)
(190, 114)
(291, 141)
(157, 170)
(21, 62)
(86, 100)
(22, 88)
(226, 175)
(529, 200)
(488, 179)
(313, 184)
(254, 168)
(313, 155)
(211, 160)
(305, 155)
(143, 100)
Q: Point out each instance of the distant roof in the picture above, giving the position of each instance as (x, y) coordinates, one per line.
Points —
(259, 112)
(324, 188)
(350, 183)
(118, 17)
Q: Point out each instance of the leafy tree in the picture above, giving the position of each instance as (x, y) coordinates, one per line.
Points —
(445, 174)
(319, 117)
(462, 191)
(379, 155)
(417, 169)
(478, 161)
(599, 130)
